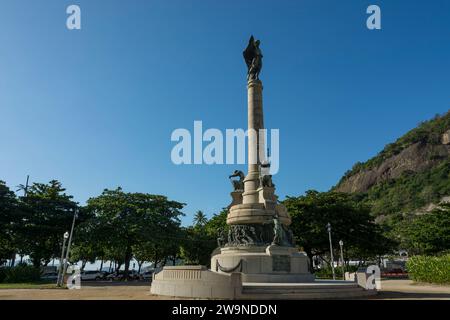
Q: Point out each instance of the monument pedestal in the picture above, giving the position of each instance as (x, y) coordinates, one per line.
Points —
(258, 260)
(272, 264)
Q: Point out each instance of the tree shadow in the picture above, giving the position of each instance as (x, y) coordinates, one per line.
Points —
(411, 295)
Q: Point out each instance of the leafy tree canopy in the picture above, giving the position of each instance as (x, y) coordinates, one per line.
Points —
(350, 221)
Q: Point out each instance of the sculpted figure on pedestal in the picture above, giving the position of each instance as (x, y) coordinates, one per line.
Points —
(238, 185)
(253, 58)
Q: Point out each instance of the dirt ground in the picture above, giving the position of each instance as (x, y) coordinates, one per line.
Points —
(391, 289)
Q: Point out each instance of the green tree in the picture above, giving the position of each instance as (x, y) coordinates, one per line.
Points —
(47, 213)
(201, 238)
(8, 218)
(89, 239)
(217, 224)
(429, 233)
(130, 219)
(200, 218)
(350, 222)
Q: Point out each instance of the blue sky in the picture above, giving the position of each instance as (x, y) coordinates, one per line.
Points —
(95, 108)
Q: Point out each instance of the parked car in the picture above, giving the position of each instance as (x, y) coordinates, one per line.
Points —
(50, 276)
(91, 275)
(119, 275)
(133, 274)
(147, 275)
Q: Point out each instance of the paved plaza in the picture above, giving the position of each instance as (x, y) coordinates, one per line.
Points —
(391, 289)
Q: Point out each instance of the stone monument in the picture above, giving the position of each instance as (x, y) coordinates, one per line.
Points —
(260, 244)
(257, 259)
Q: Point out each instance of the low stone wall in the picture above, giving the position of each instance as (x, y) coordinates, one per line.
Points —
(196, 282)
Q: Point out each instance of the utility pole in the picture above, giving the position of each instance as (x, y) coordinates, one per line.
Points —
(66, 261)
(341, 244)
(59, 281)
(331, 250)
(25, 191)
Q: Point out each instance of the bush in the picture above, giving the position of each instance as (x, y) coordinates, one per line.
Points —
(2, 274)
(20, 274)
(429, 269)
(327, 273)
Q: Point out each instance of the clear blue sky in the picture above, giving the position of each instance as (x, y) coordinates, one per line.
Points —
(95, 108)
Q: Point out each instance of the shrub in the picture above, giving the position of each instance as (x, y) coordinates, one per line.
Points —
(2, 274)
(429, 269)
(327, 273)
(20, 274)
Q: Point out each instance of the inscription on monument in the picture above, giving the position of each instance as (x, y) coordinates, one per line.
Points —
(281, 263)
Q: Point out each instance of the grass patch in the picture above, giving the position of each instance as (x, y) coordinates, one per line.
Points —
(34, 285)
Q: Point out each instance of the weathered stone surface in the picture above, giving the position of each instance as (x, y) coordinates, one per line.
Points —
(416, 158)
(446, 138)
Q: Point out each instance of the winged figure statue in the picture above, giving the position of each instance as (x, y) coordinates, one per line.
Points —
(253, 59)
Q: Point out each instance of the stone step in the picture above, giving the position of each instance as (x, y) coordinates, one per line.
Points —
(307, 296)
(342, 293)
(298, 290)
(318, 290)
(301, 287)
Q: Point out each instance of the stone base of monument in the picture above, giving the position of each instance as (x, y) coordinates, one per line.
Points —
(200, 283)
(196, 282)
(271, 272)
(272, 264)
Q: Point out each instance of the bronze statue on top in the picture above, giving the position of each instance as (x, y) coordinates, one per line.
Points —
(253, 59)
(238, 185)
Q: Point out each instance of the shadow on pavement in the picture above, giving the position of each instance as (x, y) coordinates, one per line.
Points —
(115, 283)
(411, 295)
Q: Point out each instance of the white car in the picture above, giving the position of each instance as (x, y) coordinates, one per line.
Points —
(91, 275)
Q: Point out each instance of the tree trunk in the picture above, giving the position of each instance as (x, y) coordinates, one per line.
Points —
(128, 256)
(37, 262)
(310, 257)
(13, 259)
(156, 261)
(140, 263)
(101, 265)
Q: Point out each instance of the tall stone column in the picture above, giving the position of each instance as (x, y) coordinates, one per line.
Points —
(255, 145)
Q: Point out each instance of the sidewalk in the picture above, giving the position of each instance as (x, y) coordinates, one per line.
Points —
(407, 289)
(390, 289)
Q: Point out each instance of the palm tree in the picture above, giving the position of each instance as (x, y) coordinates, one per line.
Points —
(200, 218)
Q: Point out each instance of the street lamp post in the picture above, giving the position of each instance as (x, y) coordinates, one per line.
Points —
(66, 260)
(58, 282)
(331, 250)
(341, 244)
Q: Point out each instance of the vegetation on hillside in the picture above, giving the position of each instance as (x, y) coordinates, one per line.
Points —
(426, 132)
(399, 203)
(410, 191)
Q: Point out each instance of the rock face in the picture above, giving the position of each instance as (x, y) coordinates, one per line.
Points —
(417, 157)
(446, 138)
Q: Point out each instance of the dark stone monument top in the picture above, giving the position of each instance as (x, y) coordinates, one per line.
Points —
(253, 58)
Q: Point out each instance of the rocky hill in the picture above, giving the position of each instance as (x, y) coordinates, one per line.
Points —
(406, 175)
